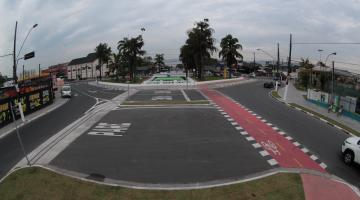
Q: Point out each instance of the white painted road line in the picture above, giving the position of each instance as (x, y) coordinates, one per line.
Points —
(263, 120)
(296, 144)
(275, 128)
(104, 134)
(282, 133)
(234, 123)
(264, 153)
(227, 116)
(238, 128)
(305, 150)
(185, 95)
(314, 157)
(289, 138)
(256, 145)
(323, 165)
(230, 119)
(269, 124)
(250, 139)
(223, 113)
(244, 133)
(272, 162)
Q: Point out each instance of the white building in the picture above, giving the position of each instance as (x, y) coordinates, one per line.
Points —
(85, 68)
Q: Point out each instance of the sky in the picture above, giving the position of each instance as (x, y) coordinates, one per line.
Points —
(70, 29)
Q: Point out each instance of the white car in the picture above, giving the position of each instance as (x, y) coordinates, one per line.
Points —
(66, 91)
(351, 150)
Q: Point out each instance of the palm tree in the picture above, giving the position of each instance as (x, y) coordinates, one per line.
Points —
(305, 63)
(159, 61)
(201, 41)
(131, 49)
(229, 50)
(103, 53)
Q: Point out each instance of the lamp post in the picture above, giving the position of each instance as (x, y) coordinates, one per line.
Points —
(332, 54)
(15, 57)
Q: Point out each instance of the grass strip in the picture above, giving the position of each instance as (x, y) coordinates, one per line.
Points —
(39, 184)
(327, 119)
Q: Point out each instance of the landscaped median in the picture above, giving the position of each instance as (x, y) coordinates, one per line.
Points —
(38, 183)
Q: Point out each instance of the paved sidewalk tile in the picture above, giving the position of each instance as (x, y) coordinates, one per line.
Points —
(320, 188)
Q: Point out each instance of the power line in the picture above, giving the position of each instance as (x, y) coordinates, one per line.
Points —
(327, 43)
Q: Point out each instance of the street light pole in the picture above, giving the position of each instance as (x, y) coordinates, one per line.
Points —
(14, 56)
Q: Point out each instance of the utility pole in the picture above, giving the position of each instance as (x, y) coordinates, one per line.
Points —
(332, 82)
(278, 57)
(39, 71)
(290, 49)
(23, 77)
(254, 62)
(14, 56)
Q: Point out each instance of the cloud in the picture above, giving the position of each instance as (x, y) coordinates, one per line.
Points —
(70, 29)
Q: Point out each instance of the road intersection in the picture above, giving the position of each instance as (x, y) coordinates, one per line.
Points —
(235, 135)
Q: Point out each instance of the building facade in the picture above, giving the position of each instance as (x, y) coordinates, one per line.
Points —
(86, 68)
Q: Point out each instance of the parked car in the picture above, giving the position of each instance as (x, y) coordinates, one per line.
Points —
(66, 91)
(351, 150)
(269, 85)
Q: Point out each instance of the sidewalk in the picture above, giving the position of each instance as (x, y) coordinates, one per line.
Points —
(320, 188)
(297, 96)
(58, 101)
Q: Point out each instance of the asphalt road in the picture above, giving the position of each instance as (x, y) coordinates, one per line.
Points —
(164, 145)
(322, 139)
(39, 130)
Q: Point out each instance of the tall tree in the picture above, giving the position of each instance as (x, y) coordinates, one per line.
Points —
(201, 42)
(229, 50)
(131, 49)
(187, 57)
(159, 61)
(103, 54)
(305, 63)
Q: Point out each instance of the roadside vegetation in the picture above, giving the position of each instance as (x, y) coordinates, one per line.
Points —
(39, 184)
(328, 119)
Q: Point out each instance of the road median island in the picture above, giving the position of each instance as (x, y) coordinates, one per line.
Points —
(38, 183)
(331, 121)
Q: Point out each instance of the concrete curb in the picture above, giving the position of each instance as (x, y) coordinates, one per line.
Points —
(190, 186)
(32, 119)
(312, 115)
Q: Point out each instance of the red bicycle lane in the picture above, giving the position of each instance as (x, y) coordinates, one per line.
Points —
(281, 149)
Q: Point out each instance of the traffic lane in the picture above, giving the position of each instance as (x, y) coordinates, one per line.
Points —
(322, 139)
(165, 146)
(94, 91)
(153, 95)
(41, 129)
(194, 95)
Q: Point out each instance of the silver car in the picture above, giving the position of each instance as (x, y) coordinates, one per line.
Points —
(66, 91)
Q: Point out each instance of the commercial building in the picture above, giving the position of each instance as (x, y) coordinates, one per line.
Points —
(86, 68)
